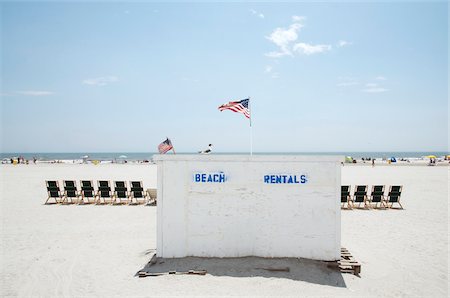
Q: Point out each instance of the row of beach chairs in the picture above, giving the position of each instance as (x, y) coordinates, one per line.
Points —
(377, 198)
(105, 194)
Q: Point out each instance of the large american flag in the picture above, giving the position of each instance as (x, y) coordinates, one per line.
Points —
(165, 146)
(237, 106)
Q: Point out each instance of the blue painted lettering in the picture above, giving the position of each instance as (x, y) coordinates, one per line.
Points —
(285, 179)
(303, 179)
(221, 177)
(210, 177)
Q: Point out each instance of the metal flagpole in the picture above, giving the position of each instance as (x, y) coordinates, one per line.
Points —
(251, 130)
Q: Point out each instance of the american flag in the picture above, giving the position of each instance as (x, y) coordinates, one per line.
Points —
(165, 146)
(237, 106)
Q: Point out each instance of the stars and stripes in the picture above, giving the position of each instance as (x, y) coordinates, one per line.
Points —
(165, 146)
(237, 106)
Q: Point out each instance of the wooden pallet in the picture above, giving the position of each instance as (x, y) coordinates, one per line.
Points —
(347, 264)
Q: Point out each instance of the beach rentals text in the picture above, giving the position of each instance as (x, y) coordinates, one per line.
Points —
(221, 177)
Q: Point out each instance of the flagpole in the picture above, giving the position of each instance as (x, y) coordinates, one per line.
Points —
(251, 130)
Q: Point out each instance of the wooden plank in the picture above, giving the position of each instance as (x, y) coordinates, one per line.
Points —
(190, 272)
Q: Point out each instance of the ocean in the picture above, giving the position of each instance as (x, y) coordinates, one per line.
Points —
(142, 156)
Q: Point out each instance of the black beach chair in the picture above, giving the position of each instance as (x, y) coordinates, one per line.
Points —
(70, 191)
(345, 197)
(87, 192)
(53, 191)
(104, 192)
(120, 193)
(395, 192)
(151, 194)
(137, 192)
(377, 196)
(360, 196)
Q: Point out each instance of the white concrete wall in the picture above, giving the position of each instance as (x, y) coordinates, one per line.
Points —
(245, 215)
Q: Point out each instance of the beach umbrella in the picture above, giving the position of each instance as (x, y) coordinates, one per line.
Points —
(85, 156)
(431, 156)
(123, 156)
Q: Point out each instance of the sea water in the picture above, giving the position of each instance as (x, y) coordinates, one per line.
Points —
(147, 156)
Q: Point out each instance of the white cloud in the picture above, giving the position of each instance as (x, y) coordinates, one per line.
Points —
(283, 38)
(298, 19)
(101, 81)
(259, 14)
(346, 82)
(380, 78)
(35, 93)
(275, 75)
(343, 43)
(267, 69)
(375, 90)
(371, 85)
(309, 49)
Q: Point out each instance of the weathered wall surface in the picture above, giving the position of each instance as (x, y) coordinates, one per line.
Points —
(234, 206)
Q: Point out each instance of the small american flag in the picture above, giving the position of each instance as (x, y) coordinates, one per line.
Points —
(165, 146)
(237, 106)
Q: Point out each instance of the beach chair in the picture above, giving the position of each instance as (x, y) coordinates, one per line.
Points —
(151, 194)
(395, 192)
(103, 192)
(377, 196)
(360, 196)
(120, 193)
(137, 192)
(87, 192)
(53, 191)
(345, 197)
(70, 191)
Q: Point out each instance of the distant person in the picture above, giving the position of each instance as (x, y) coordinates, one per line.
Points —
(207, 150)
(373, 162)
(432, 161)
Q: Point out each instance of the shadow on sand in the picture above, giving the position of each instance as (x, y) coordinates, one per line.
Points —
(311, 271)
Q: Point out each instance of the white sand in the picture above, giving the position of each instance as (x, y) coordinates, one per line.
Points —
(96, 250)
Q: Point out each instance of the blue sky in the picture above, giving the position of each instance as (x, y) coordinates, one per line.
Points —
(99, 77)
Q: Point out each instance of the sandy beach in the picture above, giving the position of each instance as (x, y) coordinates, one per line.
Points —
(95, 251)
